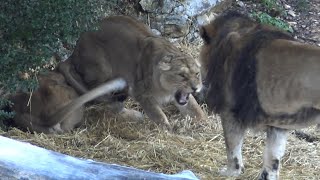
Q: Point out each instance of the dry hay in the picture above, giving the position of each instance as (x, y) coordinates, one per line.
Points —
(194, 145)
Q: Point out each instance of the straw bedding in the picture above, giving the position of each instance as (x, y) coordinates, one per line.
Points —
(194, 145)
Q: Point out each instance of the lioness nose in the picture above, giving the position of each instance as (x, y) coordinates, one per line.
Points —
(194, 89)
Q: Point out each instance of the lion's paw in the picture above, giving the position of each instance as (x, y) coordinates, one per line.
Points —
(230, 172)
(130, 114)
(268, 175)
(56, 129)
(166, 126)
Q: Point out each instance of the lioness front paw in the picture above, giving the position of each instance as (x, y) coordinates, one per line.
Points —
(167, 126)
(225, 171)
(163, 125)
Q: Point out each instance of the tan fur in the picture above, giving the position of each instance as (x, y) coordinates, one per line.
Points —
(155, 70)
(288, 77)
(55, 107)
(259, 77)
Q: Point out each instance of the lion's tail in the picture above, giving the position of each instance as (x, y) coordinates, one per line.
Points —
(106, 88)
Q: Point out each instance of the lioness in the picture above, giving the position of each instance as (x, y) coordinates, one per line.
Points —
(259, 77)
(156, 71)
(55, 107)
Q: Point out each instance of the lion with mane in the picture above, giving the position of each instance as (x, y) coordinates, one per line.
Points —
(258, 77)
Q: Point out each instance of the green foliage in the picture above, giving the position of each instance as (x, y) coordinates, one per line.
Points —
(31, 31)
(265, 18)
(3, 113)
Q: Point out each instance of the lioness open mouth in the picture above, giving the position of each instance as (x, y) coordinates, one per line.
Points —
(181, 98)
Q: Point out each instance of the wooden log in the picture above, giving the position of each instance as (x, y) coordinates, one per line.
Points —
(20, 160)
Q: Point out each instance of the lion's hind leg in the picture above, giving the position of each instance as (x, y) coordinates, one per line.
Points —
(274, 150)
(233, 134)
(30, 123)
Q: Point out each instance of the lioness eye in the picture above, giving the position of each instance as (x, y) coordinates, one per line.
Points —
(198, 74)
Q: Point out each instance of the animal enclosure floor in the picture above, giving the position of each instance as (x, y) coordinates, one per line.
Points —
(194, 145)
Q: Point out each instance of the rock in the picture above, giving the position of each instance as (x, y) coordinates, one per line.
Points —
(175, 26)
(169, 6)
(292, 13)
(202, 19)
(196, 7)
(316, 37)
(292, 23)
(241, 4)
(150, 5)
(179, 9)
(173, 18)
(286, 6)
(156, 32)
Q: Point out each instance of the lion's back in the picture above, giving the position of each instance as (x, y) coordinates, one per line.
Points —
(113, 50)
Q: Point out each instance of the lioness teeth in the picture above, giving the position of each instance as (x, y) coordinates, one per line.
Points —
(182, 98)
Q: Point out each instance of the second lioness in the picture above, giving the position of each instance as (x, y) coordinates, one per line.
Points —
(156, 71)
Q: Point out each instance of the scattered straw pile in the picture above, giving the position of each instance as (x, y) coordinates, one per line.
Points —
(194, 145)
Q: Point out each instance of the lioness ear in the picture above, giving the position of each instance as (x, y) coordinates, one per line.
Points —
(204, 34)
(164, 64)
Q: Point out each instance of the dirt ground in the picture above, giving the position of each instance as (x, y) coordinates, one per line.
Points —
(302, 15)
(197, 146)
